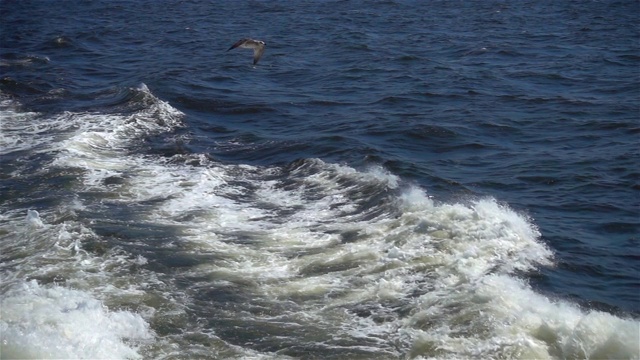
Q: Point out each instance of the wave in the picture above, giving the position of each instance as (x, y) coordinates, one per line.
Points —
(31, 130)
(239, 260)
(55, 322)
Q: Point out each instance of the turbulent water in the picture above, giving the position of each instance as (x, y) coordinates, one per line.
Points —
(394, 179)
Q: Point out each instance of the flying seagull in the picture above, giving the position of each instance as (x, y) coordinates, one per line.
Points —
(256, 45)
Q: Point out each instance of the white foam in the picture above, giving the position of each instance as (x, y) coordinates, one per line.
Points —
(21, 131)
(51, 321)
(465, 255)
(501, 317)
(33, 219)
(454, 264)
(58, 323)
(441, 276)
(63, 314)
(100, 143)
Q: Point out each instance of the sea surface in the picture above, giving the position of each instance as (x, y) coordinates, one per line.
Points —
(394, 179)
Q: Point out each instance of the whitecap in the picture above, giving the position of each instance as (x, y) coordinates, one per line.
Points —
(59, 323)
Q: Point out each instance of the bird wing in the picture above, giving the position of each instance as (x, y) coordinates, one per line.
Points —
(238, 43)
(257, 53)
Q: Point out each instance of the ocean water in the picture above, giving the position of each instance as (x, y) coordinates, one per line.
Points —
(393, 180)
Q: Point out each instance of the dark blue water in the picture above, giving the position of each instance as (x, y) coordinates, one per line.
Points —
(137, 137)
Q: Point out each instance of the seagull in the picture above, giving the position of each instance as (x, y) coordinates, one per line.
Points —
(256, 45)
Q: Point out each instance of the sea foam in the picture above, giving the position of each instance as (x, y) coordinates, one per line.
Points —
(55, 322)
